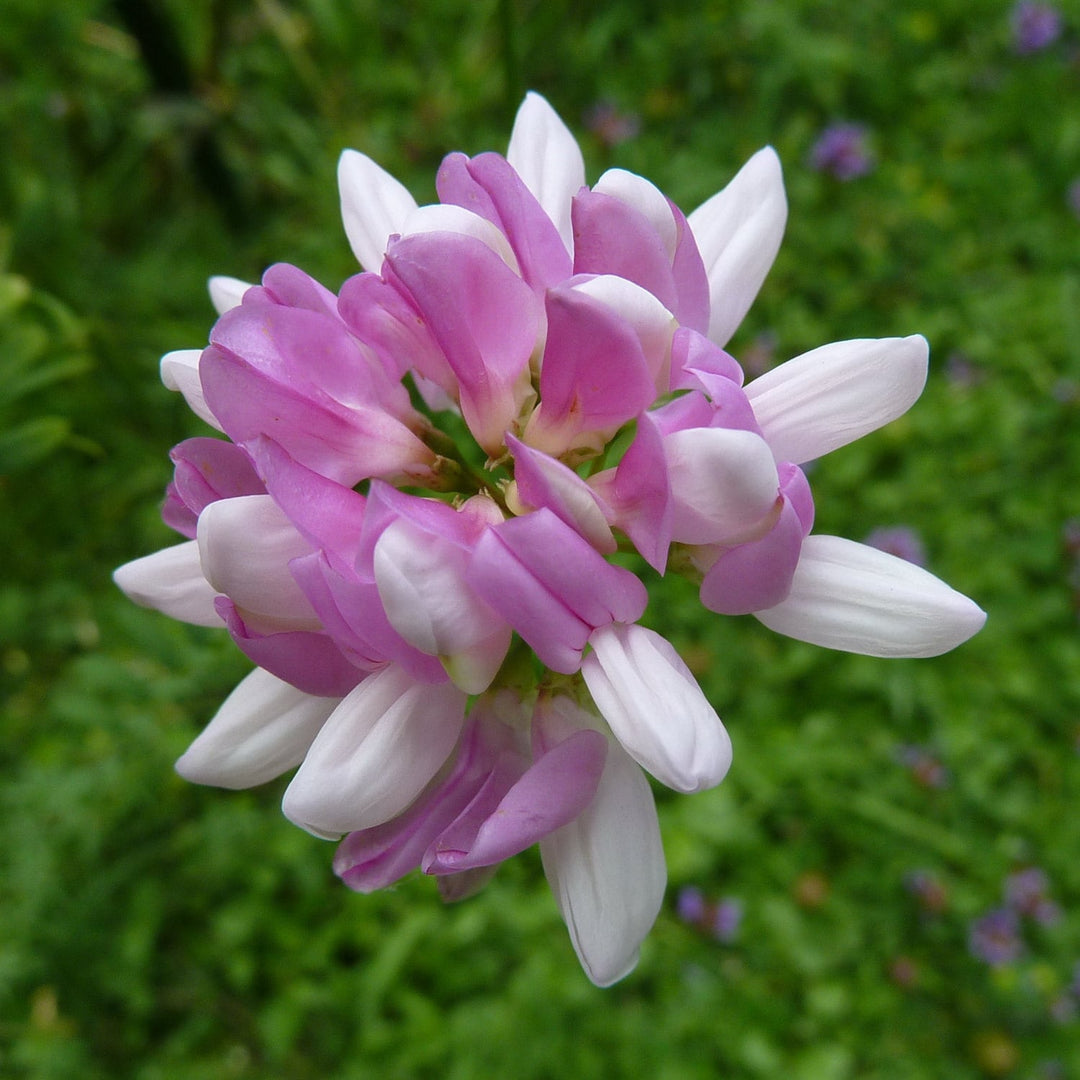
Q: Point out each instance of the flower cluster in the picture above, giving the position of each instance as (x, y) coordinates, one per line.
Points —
(420, 524)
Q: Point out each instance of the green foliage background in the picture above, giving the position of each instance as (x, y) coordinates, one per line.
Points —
(153, 930)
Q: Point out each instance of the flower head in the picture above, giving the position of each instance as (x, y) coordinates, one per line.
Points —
(445, 650)
(995, 938)
(842, 151)
(1034, 27)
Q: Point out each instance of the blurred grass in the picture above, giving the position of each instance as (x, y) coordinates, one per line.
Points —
(156, 930)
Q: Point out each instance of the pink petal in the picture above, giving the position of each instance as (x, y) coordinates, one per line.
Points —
(594, 376)
(351, 612)
(551, 585)
(391, 326)
(347, 445)
(374, 858)
(639, 491)
(489, 186)
(611, 237)
(544, 481)
(211, 469)
(484, 317)
(757, 574)
(551, 793)
(308, 660)
(327, 514)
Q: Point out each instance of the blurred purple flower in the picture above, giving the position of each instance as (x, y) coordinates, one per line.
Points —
(1026, 894)
(901, 541)
(1034, 27)
(690, 905)
(995, 938)
(961, 371)
(610, 124)
(727, 915)
(928, 889)
(926, 770)
(842, 151)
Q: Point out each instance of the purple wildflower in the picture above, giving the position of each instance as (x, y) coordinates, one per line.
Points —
(961, 371)
(901, 541)
(1034, 27)
(924, 767)
(995, 938)
(690, 905)
(842, 151)
(1026, 894)
(928, 889)
(727, 915)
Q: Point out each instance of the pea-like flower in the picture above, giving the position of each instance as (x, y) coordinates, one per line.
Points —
(425, 521)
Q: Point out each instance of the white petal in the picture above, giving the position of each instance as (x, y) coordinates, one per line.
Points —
(421, 583)
(180, 371)
(738, 233)
(226, 292)
(723, 483)
(655, 707)
(837, 393)
(439, 217)
(374, 206)
(853, 597)
(606, 870)
(263, 728)
(645, 197)
(375, 753)
(548, 159)
(171, 581)
(245, 544)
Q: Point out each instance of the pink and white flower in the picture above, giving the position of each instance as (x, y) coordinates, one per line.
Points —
(445, 650)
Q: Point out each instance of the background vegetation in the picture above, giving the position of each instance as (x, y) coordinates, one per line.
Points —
(876, 811)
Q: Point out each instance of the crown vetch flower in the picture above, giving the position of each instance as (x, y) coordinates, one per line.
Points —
(409, 525)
